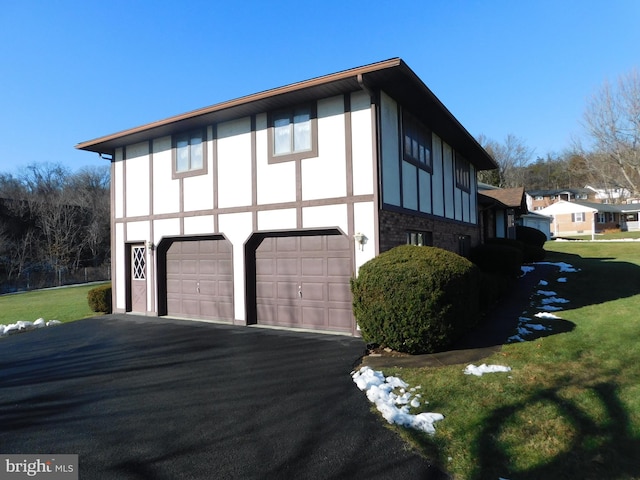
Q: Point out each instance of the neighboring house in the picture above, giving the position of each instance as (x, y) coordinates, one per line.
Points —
(261, 209)
(610, 195)
(578, 218)
(500, 210)
(539, 199)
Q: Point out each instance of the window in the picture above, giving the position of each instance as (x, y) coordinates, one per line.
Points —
(463, 174)
(577, 217)
(539, 197)
(416, 141)
(421, 239)
(602, 217)
(189, 153)
(293, 134)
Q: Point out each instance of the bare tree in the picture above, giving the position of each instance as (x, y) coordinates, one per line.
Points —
(612, 121)
(512, 157)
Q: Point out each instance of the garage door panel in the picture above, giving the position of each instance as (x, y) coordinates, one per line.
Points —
(338, 266)
(321, 265)
(339, 293)
(313, 266)
(313, 316)
(288, 315)
(313, 291)
(199, 279)
(287, 290)
(287, 266)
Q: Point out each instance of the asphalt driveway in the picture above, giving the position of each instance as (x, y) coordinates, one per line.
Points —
(149, 398)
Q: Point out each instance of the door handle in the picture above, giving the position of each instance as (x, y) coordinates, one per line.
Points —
(300, 291)
(198, 287)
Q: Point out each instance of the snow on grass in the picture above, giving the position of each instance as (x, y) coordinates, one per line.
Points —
(484, 368)
(393, 406)
(23, 326)
(547, 315)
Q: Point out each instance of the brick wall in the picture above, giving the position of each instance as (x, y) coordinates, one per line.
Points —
(446, 233)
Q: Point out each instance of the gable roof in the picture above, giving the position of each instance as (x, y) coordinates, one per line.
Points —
(562, 206)
(509, 197)
(392, 76)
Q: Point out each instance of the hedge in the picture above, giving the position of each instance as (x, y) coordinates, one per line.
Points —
(416, 299)
(99, 299)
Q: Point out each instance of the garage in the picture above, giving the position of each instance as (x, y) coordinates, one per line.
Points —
(303, 281)
(199, 278)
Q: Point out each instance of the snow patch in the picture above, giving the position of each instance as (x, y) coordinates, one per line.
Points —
(380, 391)
(484, 368)
(25, 325)
(547, 315)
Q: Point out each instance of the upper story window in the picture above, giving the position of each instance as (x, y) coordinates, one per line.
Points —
(463, 173)
(416, 140)
(293, 134)
(189, 153)
(538, 197)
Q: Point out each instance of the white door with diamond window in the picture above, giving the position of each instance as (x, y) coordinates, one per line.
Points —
(138, 278)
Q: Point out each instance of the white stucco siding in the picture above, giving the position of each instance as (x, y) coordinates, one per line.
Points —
(458, 198)
(166, 191)
(326, 216)
(120, 266)
(234, 163)
(276, 182)
(138, 231)
(118, 184)
(425, 191)
(167, 227)
(199, 225)
(437, 185)
(466, 213)
(283, 219)
(390, 150)
(325, 175)
(237, 227)
(473, 214)
(137, 179)
(449, 180)
(362, 144)
(409, 186)
(364, 222)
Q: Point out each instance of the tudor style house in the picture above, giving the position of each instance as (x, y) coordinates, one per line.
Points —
(259, 210)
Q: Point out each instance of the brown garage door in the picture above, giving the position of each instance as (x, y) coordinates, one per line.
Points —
(303, 281)
(200, 279)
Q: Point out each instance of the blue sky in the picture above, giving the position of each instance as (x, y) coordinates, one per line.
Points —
(72, 71)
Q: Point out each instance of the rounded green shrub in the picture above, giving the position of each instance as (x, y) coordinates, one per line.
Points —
(530, 236)
(416, 299)
(99, 298)
(501, 257)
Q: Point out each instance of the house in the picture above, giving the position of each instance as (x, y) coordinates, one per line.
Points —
(539, 199)
(259, 210)
(578, 218)
(499, 210)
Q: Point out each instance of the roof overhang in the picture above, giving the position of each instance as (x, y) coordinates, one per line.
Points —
(391, 76)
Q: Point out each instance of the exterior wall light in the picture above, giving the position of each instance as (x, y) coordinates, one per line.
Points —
(360, 239)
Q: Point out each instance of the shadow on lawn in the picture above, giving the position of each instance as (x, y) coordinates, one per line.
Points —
(599, 280)
(600, 448)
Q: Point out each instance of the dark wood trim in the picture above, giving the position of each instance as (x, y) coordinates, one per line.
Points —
(253, 208)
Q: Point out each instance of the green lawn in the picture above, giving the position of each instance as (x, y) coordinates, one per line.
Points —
(64, 304)
(570, 407)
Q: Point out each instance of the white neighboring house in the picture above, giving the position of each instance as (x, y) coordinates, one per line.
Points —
(610, 195)
(260, 210)
(579, 218)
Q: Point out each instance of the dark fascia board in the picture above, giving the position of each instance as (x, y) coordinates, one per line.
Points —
(392, 76)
